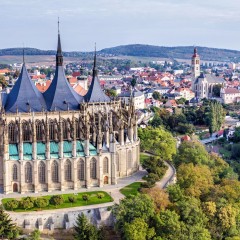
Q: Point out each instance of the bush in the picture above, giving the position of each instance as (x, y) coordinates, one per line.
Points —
(26, 204)
(100, 195)
(12, 204)
(41, 202)
(30, 199)
(56, 200)
(72, 199)
(85, 197)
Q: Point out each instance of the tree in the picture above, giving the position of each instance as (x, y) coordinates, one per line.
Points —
(56, 200)
(84, 230)
(100, 195)
(159, 197)
(132, 207)
(216, 116)
(72, 199)
(85, 197)
(133, 82)
(27, 204)
(156, 95)
(185, 128)
(12, 204)
(137, 230)
(8, 229)
(168, 225)
(195, 180)
(110, 92)
(158, 141)
(35, 235)
(216, 90)
(41, 202)
(192, 152)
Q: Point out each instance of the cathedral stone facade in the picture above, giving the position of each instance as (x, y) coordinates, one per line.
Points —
(60, 140)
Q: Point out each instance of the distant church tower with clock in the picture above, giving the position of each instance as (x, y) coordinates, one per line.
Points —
(195, 65)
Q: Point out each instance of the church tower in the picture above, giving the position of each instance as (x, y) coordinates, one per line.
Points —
(195, 65)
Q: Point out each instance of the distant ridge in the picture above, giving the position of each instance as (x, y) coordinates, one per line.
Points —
(140, 50)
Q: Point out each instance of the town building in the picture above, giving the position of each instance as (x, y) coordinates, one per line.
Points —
(230, 95)
(203, 84)
(59, 140)
(134, 95)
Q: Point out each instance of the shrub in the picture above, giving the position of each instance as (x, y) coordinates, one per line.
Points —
(56, 200)
(72, 199)
(12, 204)
(30, 199)
(85, 197)
(26, 204)
(41, 202)
(100, 195)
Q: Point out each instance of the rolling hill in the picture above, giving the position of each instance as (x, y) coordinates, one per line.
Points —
(140, 50)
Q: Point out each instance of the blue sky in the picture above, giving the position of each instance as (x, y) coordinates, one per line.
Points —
(212, 23)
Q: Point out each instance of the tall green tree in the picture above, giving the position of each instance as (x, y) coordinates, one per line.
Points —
(158, 141)
(132, 207)
(84, 230)
(8, 229)
(216, 116)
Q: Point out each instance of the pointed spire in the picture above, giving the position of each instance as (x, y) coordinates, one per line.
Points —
(59, 56)
(23, 54)
(95, 92)
(95, 62)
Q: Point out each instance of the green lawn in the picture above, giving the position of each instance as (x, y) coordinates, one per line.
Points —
(131, 189)
(143, 157)
(93, 199)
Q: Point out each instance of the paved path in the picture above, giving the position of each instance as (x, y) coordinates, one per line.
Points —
(113, 190)
(168, 177)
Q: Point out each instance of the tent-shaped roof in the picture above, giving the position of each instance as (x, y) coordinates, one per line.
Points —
(24, 96)
(60, 95)
(95, 92)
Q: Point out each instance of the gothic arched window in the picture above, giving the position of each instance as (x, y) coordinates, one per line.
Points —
(117, 162)
(28, 173)
(68, 171)
(65, 129)
(12, 136)
(51, 131)
(129, 158)
(105, 165)
(39, 131)
(26, 132)
(41, 172)
(93, 168)
(77, 129)
(80, 170)
(54, 170)
(15, 172)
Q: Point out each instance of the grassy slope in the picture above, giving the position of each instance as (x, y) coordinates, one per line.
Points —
(131, 189)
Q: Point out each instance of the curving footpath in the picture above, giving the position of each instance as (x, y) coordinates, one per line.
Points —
(169, 177)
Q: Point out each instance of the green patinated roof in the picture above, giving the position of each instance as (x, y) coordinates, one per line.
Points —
(54, 150)
(53, 147)
(80, 146)
(13, 152)
(67, 147)
(41, 149)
